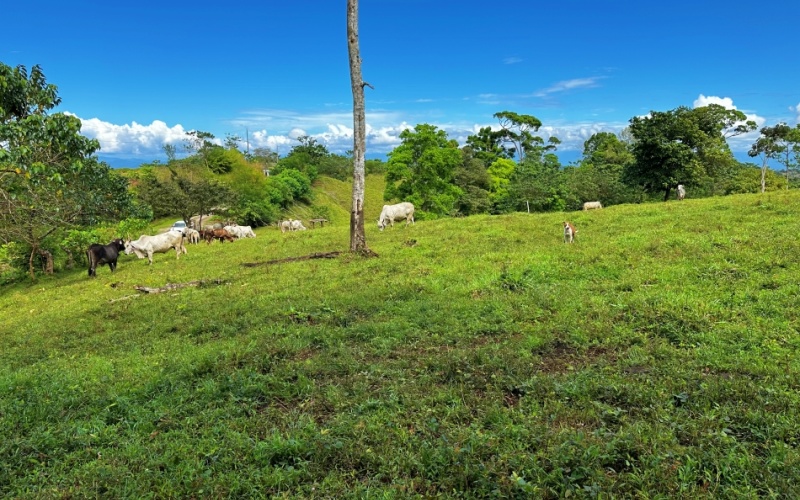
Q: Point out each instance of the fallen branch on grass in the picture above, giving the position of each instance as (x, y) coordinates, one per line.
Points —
(323, 255)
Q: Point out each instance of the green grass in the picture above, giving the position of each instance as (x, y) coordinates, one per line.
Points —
(481, 357)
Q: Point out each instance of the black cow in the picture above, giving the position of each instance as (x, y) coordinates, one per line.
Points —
(97, 255)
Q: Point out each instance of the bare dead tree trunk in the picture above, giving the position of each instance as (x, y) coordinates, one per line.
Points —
(358, 240)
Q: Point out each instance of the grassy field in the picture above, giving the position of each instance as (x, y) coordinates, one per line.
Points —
(657, 357)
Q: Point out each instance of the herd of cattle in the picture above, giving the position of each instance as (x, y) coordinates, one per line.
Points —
(146, 245)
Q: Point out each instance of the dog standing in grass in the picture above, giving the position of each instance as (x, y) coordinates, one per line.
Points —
(569, 232)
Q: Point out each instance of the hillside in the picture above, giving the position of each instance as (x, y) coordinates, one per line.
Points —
(334, 198)
(479, 357)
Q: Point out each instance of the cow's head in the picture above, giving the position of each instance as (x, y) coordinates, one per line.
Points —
(381, 225)
(128, 248)
(119, 244)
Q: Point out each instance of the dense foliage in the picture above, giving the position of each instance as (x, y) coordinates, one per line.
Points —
(422, 170)
(50, 182)
(510, 168)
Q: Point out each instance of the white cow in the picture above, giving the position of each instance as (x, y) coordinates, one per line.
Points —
(233, 231)
(241, 231)
(391, 213)
(193, 235)
(681, 192)
(292, 225)
(146, 245)
(591, 205)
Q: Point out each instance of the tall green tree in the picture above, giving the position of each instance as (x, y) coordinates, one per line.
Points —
(488, 145)
(781, 143)
(307, 157)
(517, 129)
(422, 168)
(199, 143)
(599, 174)
(538, 184)
(768, 146)
(315, 150)
(473, 180)
(49, 178)
(201, 197)
(500, 173)
(161, 195)
(682, 146)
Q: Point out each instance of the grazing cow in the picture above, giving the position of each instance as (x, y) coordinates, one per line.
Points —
(233, 231)
(292, 225)
(569, 232)
(98, 254)
(241, 231)
(146, 245)
(391, 213)
(193, 236)
(681, 192)
(221, 234)
(591, 205)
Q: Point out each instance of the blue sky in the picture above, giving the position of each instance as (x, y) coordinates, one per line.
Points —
(141, 74)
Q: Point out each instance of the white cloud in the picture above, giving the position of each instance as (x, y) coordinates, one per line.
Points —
(383, 131)
(565, 85)
(796, 109)
(702, 100)
(512, 60)
(278, 143)
(133, 139)
(739, 142)
(334, 130)
(297, 132)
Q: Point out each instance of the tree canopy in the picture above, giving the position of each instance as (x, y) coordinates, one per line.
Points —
(421, 170)
(49, 178)
(682, 146)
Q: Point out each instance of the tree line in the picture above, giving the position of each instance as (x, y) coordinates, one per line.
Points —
(509, 168)
(56, 197)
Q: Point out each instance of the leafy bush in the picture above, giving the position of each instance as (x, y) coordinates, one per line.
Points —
(132, 228)
(255, 213)
(221, 160)
(288, 186)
